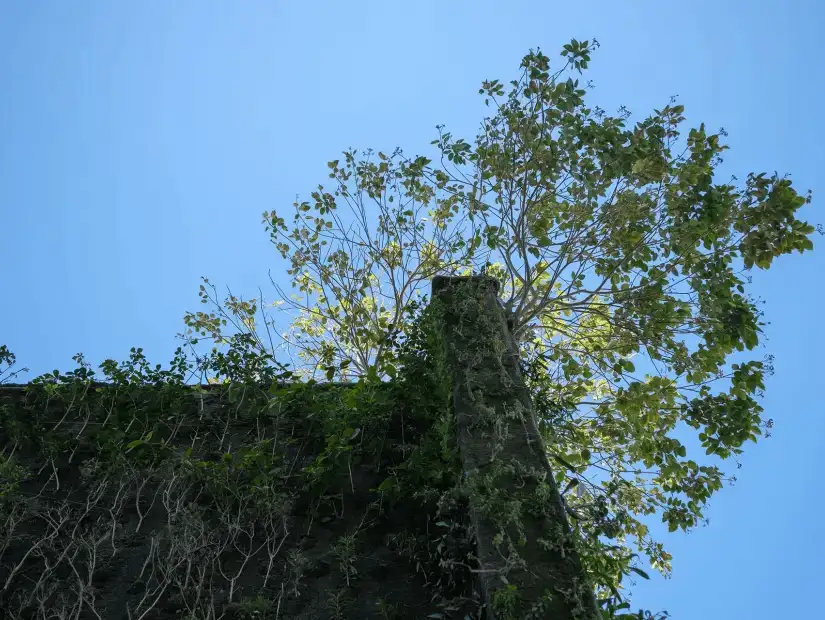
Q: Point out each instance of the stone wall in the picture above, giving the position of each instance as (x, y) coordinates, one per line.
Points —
(151, 499)
(171, 533)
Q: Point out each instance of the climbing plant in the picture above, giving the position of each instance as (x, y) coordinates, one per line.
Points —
(130, 489)
(203, 486)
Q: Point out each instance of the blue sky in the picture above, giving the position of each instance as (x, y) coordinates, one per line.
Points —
(141, 141)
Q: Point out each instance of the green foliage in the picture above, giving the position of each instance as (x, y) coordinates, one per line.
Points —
(258, 608)
(387, 610)
(345, 551)
(146, 436)
(623, 260)
(338, 603)
(504, 602)
(7, 362)
(11, 473)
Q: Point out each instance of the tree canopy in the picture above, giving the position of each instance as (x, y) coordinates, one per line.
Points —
(624, 265)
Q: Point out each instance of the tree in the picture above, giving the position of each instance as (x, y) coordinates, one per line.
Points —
(623, 262)
(7, 361)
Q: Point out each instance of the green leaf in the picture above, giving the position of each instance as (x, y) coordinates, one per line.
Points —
(388, 484)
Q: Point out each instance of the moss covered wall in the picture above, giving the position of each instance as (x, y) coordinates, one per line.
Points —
(528, 561)
(137, 501)
(144, 498)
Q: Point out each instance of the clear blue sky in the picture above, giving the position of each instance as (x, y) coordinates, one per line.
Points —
(141, 141)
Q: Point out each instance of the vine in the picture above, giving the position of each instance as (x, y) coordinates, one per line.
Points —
(172, 492)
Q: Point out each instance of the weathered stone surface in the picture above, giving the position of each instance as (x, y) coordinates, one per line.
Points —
(143, 511)
(496, 428)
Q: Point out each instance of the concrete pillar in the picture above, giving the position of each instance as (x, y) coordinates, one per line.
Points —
(525, 545)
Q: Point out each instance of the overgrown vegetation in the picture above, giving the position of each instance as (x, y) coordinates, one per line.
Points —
(624, 261)
(133, 494)
(229, 486)
(259, 497)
